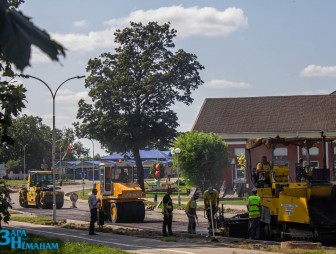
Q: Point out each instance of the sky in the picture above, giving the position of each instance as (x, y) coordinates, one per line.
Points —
(248, 48)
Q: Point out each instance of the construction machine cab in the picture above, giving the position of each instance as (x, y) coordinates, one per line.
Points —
(39, 179)
(111, 173)
(39, 191)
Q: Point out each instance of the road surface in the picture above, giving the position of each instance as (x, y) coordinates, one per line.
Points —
(153, 218)
(129, 243)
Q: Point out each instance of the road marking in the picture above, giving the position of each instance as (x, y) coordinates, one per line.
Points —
(101, 241)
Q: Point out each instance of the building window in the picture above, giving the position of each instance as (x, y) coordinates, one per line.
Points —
(240, 174)
(312, 151)
(239, 151)
(282, 151)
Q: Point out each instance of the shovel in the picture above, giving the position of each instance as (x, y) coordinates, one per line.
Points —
(212, 224)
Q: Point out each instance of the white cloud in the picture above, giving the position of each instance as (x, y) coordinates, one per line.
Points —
(66, 108)
(86, 42)
(225, 84)
(80, 23)
(66, 96)
(37, 56)
(206, 21)
(318, 71)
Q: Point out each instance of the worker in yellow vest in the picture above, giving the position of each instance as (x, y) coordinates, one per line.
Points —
(211, 196)
(254, 209)
(264, 169)
(190, 210)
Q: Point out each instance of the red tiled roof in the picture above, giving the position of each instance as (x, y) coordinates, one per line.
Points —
(267, 114)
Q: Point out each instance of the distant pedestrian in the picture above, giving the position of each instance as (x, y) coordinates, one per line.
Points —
(167, 211)
(93, 205)
(73, 199)
(190, 210)
(254, 209)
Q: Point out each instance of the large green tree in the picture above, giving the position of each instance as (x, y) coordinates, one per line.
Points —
(203, 158)
(29, 131)
(133, 89)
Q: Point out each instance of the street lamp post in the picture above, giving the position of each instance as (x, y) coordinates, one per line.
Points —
(53, 95)
(93, 167)
(51, 146)
(177, 152)
(60, 164)
(24, 161)
(82, 159)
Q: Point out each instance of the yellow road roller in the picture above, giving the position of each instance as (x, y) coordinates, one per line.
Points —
(122, 198)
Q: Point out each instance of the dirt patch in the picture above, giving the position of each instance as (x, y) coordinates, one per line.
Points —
(222, 241)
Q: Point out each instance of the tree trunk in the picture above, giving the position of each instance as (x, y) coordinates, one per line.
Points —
(140, 171)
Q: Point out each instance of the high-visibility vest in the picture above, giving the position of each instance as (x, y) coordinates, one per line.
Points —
(191, 206)
(254, 203)
(213, 197)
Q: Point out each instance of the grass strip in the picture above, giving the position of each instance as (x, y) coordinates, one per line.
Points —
(63, 247)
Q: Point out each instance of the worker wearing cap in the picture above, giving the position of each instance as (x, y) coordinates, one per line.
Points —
(191, 213)
(254, 209)
(211, 195)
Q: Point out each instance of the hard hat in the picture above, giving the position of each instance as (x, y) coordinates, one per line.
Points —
(254, 190)
(210, 190)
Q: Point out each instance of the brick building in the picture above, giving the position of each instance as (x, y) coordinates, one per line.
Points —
(238, 119)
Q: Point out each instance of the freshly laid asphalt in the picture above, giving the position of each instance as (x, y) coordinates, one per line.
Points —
(127, 243)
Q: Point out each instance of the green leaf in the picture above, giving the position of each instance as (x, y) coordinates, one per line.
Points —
(18, 34)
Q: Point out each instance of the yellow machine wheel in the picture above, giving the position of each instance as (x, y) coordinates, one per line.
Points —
(116, 213)
(128, 212)
(40, 202)
(23, 200)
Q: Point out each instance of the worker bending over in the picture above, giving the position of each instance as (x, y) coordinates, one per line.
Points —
(211, 195)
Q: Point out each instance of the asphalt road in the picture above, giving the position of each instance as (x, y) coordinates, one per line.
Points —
(128, 243)
(153, 218)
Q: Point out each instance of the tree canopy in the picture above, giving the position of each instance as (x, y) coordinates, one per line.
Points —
(203, 158)
(29, 131)
(132, 90)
